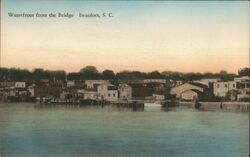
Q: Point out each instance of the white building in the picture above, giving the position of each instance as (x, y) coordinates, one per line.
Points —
(31, 90)
(125, 91)
(91, 83)
(20, 85)
(243, 87)
(107, 92)
(221, 89)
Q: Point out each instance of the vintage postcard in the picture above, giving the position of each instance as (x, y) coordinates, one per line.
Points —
(124, 78)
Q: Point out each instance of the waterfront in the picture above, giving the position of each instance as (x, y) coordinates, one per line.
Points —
(26, 130)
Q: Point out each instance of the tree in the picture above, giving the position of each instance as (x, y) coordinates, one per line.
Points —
(225, 76)
(108, 75)
(192, 76)
(123, 75)
(244, 72)
(173, 75)
(90, 72)
(40, 74)
(74, 76)
(18, 74)
(155, 75)
(58, 75)
(131, 75)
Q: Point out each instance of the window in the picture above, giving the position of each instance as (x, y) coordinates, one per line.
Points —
(233, 85)
(248, 85)
(225, 85)
(109, 94)
(113, 95)
(218, 85)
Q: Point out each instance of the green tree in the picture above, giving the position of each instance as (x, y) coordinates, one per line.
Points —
(40, 74)
(74, 76)
(225, 76)
(58, 75)
(108, 75)
(155, 75)
(244, 72)
(90, 72)
(174, 75)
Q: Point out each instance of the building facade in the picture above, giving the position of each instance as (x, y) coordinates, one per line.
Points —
(243, 88)
(190, 95)
(107, 92)
(125, 91)
(221, 89)
(20, 85)
(178, 90)
(91, 83)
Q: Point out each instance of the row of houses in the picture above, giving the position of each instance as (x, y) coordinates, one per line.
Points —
(13, 90)
(238, 89)
(107, 91)
(158, 89)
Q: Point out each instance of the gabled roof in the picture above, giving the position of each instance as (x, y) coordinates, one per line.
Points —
(194, 90)
(198, 84)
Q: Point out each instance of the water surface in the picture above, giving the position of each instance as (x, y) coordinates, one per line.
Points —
(29, 131)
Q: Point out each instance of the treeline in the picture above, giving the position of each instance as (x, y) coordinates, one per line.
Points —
(90, 72)
(16, 74)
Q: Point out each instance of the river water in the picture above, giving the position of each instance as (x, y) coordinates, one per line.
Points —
(27, 130)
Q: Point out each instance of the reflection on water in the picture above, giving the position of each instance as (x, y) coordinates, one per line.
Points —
(62, 131)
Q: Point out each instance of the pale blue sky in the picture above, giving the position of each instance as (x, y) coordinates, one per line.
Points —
(142, 35)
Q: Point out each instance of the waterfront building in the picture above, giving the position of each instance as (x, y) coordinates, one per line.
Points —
(5, 84)
(20, 85)
(91, 83)
(125, 91)
(178, 90)
(221, 89)
(75, 84)
(31, 90)
(243, 88)
(107, 92)
(192, 94)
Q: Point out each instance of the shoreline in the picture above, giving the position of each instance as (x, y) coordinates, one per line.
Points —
(203, 106)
